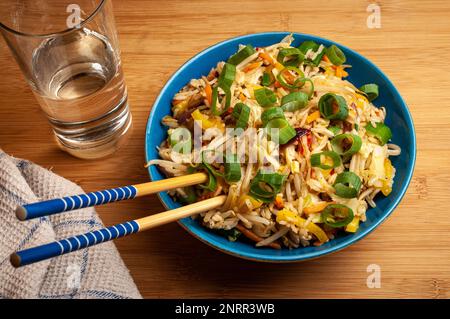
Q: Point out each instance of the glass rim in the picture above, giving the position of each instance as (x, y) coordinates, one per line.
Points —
(51, 34)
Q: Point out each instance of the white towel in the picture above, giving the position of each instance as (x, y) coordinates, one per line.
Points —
(96, 272)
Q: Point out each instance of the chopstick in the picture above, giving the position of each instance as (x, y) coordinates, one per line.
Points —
(65, 204)
(71, 244)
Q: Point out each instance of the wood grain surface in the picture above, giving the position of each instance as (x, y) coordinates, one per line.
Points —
(412, 247)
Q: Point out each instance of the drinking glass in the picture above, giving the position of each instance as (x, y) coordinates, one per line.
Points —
(69, 54)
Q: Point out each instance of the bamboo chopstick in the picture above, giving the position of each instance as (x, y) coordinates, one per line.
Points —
(71, 244)
(59, 205)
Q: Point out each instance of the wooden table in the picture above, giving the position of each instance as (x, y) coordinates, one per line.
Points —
(412, 247)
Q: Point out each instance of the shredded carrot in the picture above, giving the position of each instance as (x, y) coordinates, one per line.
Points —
(242, 97)
(266, 58)
(251, 235)
(325, 58)
(279, 202)
(288, 77)
(277, 84)
(252, 66)
(208, 92)
(315, 208)
(312, 117)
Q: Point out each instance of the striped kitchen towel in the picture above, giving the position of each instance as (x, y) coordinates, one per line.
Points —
(96, 272)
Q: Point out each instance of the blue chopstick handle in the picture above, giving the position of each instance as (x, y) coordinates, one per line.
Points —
(60, 205)
(71, 244)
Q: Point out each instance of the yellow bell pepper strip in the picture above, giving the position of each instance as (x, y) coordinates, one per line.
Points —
(255, 203)
(353, 226)
(312, 117)
(291, 217)
(207, 121)
(316, 207)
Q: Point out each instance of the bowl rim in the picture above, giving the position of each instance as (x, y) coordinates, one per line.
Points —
(314, 254)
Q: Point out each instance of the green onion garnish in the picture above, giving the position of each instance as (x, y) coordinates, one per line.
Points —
(267, 79)
(270, 114)
(265, 97)
(290, 56)
(336, 56)
(337, 215)
(333, 107)
(285, 131)
(382, 132)
(311, 45)
(208, 166)
(241, 55)
(232, 169)
(316, 160)
(294, 101)
(226, 77)
(296, 85)
(370, 90)
(334, 129)
(346, 144)
(215, 95)
(241, 113)
(347, 185)
(266, 186)
(190, 197)
(181, 141)
(211, 185)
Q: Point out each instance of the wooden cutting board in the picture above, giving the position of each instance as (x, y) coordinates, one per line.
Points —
(412, 248)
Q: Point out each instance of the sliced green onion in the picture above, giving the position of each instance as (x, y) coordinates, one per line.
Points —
(283, 82)
(290, 56)
(337, 215)
(382, 132)
(215, 95)
(180, 139)
(284, 130)
(347, 185)
(316, 160)
(241, 113)
(190, 197)
(294, 101)
(267, 79)
(231, 234)
(370, 90)
(346, 144)
(334, 129)
(208, 166)
(270, 114)
(266, 186)
(226, 77)
(241, 55)
(333, 107)
(265, 97)
(232, 169)
(311, 45)
(335, 55)
(308, 45)
(211, 185)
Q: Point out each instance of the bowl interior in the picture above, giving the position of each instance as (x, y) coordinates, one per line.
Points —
(362, 72)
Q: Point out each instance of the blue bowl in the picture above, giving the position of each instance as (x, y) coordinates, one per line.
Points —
(363, 71)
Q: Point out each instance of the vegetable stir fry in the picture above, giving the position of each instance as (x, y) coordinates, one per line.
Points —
(321, 153)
